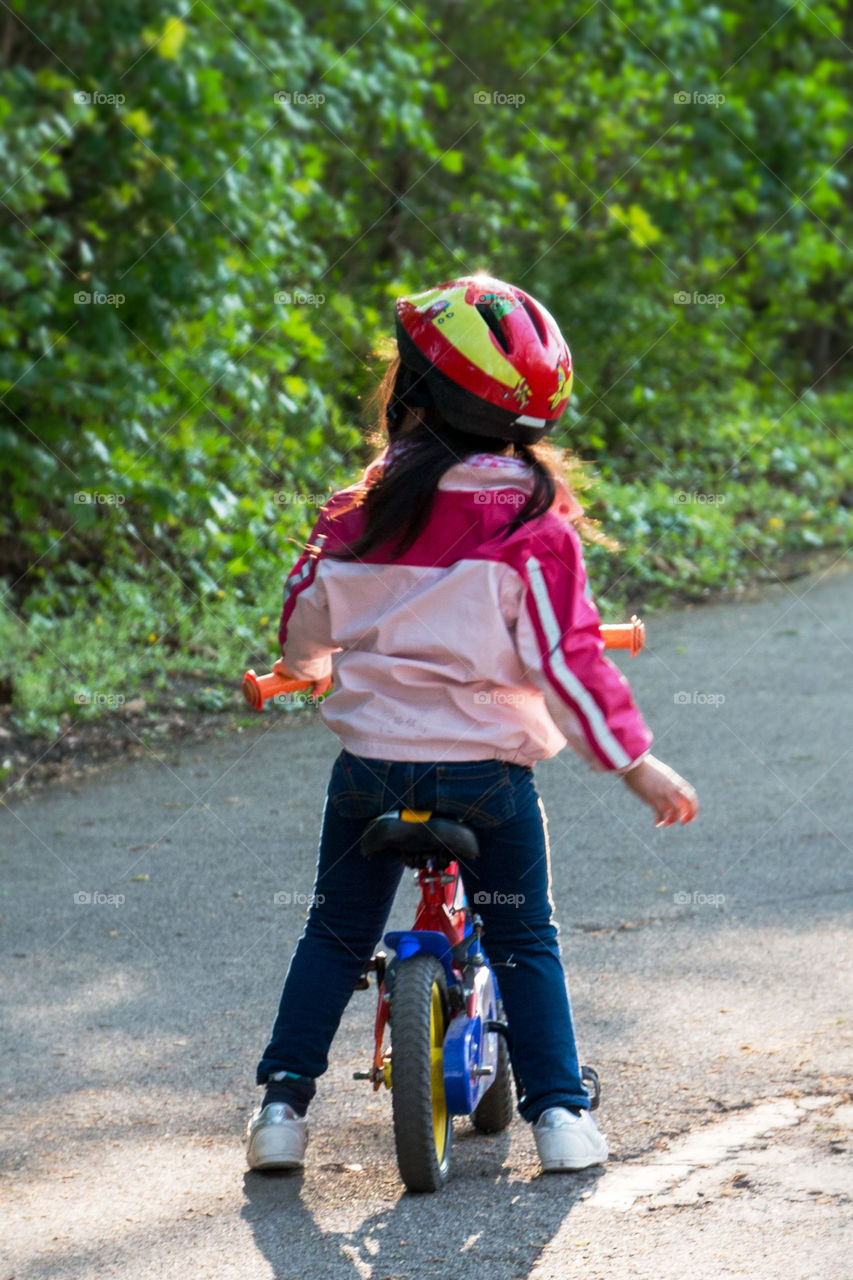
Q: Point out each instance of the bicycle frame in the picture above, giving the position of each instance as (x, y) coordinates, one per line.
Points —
(443, 925)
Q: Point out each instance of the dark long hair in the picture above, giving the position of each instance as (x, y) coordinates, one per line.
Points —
(399, 494)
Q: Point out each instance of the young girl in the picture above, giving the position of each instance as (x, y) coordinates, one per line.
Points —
(447, 595)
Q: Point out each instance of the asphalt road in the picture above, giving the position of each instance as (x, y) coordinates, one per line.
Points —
(709, 969)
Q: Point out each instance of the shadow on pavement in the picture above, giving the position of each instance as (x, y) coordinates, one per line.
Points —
(501, 1232)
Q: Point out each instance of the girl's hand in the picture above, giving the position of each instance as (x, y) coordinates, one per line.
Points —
(672, 799)
(317, 689)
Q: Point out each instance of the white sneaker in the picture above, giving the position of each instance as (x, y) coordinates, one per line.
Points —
(567, 1141)
(276, 1138)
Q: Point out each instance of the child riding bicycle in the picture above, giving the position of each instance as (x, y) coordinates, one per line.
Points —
(444, 596)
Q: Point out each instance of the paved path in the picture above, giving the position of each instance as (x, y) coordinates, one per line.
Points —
(709, 967)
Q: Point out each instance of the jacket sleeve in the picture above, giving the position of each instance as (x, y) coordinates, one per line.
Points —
(559, 643)
(304, 634)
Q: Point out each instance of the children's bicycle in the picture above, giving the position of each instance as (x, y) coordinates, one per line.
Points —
(441, 1043)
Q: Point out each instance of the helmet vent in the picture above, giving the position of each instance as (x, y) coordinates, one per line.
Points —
(485, 310)
(538, 324)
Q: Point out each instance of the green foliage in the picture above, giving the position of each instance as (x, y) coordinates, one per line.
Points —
(241, 201)
(149, 638)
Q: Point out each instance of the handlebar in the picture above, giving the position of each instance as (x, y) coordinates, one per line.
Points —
(624, 635)
(257, 689)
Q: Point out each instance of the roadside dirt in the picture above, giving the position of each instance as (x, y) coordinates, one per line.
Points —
(85, 748)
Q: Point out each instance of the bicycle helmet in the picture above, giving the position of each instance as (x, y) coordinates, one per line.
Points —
(491, 357)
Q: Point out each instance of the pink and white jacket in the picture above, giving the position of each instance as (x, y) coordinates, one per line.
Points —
(469, 646)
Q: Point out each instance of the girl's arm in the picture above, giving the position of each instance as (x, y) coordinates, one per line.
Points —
(559, 637)
(306, 645)
(559, 641)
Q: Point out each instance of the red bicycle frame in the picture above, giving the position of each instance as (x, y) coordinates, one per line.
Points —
(441, 908)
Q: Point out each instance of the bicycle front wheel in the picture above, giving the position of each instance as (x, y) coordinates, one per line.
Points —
(422, 1123)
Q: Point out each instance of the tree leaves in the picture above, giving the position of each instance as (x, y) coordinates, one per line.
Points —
(257, 196)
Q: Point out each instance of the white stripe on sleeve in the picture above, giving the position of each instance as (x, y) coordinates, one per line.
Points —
(295, 580)
(573, 687)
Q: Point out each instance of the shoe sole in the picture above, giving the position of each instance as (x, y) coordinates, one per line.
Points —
(274, 1162)
(572, 1166)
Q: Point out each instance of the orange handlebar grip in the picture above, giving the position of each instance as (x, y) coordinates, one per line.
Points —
(625, 635)
(256, 689)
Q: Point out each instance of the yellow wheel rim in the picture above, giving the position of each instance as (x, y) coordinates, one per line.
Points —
(436, 1061)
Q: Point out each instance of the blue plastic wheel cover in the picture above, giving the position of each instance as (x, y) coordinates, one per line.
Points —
(461, 1060)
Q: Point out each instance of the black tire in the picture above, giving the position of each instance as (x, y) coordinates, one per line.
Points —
(493, 1112)
(422, 1123)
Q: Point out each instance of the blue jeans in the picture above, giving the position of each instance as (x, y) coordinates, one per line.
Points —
(508, 885)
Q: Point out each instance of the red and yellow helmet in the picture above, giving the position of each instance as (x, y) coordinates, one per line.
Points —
(493, 359)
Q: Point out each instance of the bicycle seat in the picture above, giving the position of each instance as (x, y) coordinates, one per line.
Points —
(419, 837)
